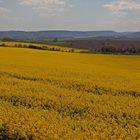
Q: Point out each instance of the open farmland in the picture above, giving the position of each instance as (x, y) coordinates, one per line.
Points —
(39, 46)
(105, 46)
(47, 95)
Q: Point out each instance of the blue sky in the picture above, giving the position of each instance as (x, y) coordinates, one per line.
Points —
(118, 15)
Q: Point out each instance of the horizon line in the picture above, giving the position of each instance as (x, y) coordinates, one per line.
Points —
(67, 30)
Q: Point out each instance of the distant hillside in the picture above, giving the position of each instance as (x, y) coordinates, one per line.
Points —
(36, 35)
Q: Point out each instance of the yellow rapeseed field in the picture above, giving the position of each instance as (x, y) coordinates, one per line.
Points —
(47, 95)
(26, 45)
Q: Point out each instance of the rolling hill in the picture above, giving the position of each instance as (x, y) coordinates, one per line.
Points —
(36, 35)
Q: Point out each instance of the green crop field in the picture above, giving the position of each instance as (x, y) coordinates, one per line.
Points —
(48, 95)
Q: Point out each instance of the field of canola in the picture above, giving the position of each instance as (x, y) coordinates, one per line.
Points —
(46, 95)
(40, 46)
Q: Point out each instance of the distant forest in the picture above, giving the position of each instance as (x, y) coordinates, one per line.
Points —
(113, 46)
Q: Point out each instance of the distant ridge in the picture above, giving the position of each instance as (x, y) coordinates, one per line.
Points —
(34, 35)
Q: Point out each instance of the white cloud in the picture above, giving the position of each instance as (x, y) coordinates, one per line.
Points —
(44, 7)
(123, 6)
(4, 12)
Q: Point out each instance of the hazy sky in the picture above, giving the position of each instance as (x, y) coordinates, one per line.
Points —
(119, 15)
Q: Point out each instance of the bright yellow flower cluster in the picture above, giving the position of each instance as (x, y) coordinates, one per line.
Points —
(56, 95)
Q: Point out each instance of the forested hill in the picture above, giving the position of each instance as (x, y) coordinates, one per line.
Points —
(23, 35)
